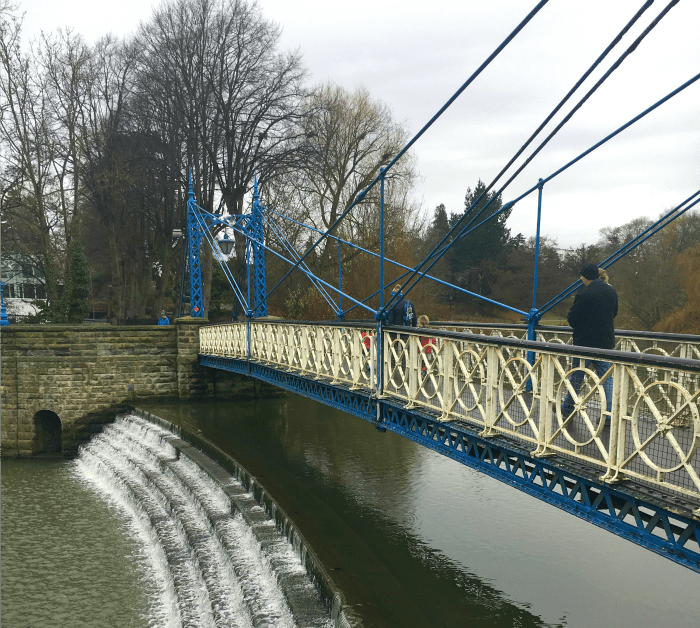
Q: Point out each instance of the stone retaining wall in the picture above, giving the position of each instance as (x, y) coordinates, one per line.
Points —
(86, 373)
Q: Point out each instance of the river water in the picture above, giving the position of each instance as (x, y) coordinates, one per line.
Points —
(411, 538)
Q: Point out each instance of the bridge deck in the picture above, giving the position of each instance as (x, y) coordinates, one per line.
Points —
(496, 403)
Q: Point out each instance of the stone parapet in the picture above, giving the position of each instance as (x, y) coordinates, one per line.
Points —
(86, 373)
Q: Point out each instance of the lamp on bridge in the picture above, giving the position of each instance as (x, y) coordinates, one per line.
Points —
(226, 244)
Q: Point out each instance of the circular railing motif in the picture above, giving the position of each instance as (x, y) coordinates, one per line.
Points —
(580, 407)
(673, 412)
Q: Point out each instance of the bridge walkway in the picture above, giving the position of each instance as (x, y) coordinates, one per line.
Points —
(622, 455)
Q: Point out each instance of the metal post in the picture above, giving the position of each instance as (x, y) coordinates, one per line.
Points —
(533, 315)
(194, 241)
(249, 314)
(3, 312)
(380, 312)
(260, 308)
(340, 285)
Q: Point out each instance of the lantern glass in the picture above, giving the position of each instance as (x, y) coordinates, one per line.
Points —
(226, 245)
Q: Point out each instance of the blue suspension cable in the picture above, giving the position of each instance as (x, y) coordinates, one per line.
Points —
(292, 251)
(360, 197)
(439, 252)
(626, 248)
(466, 229)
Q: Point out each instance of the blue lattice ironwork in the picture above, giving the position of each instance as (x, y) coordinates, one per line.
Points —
(259, 283)
(194, 245)
(630, 515)
(199, 224)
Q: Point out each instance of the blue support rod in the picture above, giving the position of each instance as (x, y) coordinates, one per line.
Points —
(360, 197)
(533, 315)
(438, 253)
(379, 339)
(249, 312)
(340, 283)
(327, 285)
(395, 263)
(626, 248)
(225, 269)
(537, 246)
(290, 249)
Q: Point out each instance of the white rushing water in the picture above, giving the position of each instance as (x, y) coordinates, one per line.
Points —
(201, 563)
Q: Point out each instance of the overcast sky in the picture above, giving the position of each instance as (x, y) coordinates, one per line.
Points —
(415, 55)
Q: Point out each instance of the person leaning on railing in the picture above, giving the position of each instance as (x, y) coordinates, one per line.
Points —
(592, 318)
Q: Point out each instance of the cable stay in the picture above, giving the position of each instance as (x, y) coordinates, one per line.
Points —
(360, 197)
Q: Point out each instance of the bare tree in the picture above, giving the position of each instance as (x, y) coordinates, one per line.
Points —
(29, 142)
(107, 173)
(346, 138)
(212, 64)
(68, 70)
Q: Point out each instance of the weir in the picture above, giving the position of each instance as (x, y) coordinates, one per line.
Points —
(216, 557)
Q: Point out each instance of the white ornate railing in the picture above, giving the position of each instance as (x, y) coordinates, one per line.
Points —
(650, 343)
(341, 354)
(637, 419)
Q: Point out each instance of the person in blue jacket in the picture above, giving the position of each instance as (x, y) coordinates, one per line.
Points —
(163, 320)
(403, 314)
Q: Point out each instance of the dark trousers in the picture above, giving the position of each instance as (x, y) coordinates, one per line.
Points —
(576, 379)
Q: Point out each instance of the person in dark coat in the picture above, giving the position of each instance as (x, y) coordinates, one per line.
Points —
(401, 308)
(592, 318)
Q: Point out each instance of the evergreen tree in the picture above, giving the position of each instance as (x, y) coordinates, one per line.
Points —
(75, 304)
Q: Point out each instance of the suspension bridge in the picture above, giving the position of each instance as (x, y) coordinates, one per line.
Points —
(622, 454)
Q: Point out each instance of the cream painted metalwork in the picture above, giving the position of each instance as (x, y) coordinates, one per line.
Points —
(651, 432)
(344, 355)
(625, 341)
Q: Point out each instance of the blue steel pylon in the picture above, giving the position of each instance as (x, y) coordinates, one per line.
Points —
(253, 229)
(194, 242)
(256, 231)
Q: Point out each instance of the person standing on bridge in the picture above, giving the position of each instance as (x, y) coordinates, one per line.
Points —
(592, 319)
(403, 314)
(163, 320)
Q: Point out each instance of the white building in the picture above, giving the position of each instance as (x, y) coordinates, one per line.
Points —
(23, 288)
(562, 253)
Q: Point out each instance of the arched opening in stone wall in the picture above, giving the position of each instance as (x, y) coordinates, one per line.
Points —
(47, 427)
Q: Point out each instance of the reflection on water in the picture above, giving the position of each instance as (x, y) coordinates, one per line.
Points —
(412, 538)
(416, 539)
(68, 560)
